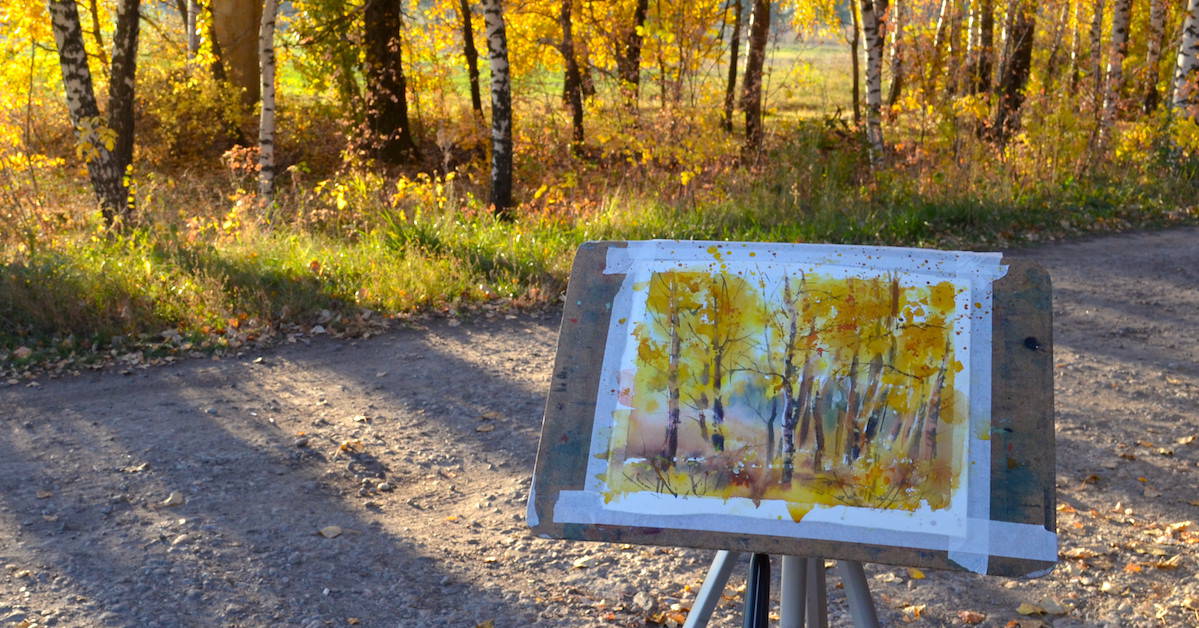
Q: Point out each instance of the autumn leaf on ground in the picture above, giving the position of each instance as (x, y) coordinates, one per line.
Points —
(330, 532)
(1029, 609)
(971, 617)
(1172, 562)
(486, 624)
(915, 574)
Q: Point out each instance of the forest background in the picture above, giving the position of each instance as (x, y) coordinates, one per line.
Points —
(191, 176)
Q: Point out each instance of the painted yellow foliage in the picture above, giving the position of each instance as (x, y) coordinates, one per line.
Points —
(809, 389)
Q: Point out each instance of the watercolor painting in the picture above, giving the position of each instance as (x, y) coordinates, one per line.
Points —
(805, 385)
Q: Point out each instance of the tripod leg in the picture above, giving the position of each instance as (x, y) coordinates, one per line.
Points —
(857, 591)
(709, 594)
(757, 593)
(793, 592)
(817, 605)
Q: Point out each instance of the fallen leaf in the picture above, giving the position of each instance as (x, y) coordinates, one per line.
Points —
(1091, 479)
(330, 532)
(1079, 553)
(1172, 562)
(915, 610)
(361, 418)
(1132, 568)
(485, 427)
(350, 445)
(1186, 440)
(915, 574)
(174, 499)
(44, 494)
(353, 621)
(22, 352)
(971, 617)
(487, 624)
(1030, 609)
(581, 563)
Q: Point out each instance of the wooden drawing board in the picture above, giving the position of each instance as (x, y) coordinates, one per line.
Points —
(682, 367)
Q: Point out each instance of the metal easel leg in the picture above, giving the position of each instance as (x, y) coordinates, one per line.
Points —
(757, 593)
(709, 594)
(817, 604)
(793, 592)
(857, 591)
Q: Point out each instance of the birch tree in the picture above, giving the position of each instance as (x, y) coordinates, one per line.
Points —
(1183, 97)
(628, 56)
(872, 22)
(121, 86)
(899, 11)
(266, 120)
(501, 108)
(1121, 16)
(96, 141)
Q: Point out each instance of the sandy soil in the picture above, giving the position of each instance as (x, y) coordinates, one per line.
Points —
(382, 482)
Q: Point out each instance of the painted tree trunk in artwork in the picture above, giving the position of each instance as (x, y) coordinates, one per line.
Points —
(928, 432)
(389, 135)
(895, 54)
(501, 108)
(872, 12)
(1095, 52)
(266, 119)
(1121, 17)
(193, 35)
(751, 94)
(671, 448)
(718, 349)
(102, 168)
(572, 86)
(1016, 69)
(1183, 98)
(628, 59)
(235, 24)
(121, 85)
(1153, 54)
(472, 56)
(730, 86)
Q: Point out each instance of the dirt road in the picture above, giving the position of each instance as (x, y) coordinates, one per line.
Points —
(382, 482)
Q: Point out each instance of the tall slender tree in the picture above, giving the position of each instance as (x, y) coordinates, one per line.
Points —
(104, 167)
(572, 85)
(1154, 38)
(1121, 17)
(751, 95)
(1095, 51)
(501, 108)
(389, 135)
(266, 119)
(122, 82)
(874, 26)
(628, 56)
(1183, 99)
(730, 88)
(472, 56)
(899, 11)
(1016, 68)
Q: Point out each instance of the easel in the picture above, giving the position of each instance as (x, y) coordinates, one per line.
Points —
(804, 592)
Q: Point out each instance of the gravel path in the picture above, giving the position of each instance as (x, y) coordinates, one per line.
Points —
(382, 482)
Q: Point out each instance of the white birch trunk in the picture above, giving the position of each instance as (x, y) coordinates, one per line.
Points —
(1183, 99)
(501, 107)
(1121, 16)
(266, 121)
(872, 23)
(102, 165)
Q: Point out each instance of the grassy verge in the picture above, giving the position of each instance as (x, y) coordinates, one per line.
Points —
(79, 298)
